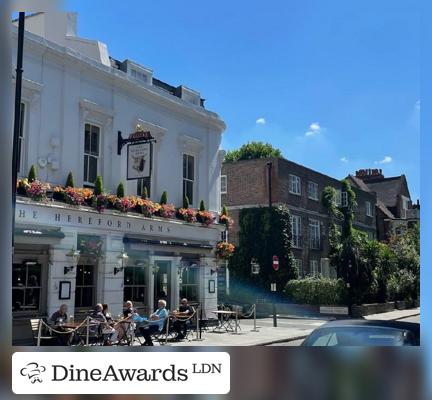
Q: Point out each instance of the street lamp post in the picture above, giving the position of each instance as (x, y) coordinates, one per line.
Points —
(255, 270)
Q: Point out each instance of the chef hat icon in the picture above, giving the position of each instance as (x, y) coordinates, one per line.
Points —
(33, 371)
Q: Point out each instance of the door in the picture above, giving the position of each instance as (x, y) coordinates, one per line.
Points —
(162, 282)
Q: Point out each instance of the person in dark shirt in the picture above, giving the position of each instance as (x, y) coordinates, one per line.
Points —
(182, 314)
(129, 309)
(60, 316)
(104, 327)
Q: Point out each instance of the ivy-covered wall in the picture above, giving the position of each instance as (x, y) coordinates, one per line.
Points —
(264, 232)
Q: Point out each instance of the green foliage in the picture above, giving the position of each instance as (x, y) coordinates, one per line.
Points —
(317, 290)
(224, 210)
(145, 193)
(120, 190)
(185, 202)
(202, 206)
(253, 150)
(164, 198)
(264, 232)
(32, 176)
(99, 189)
(70, 181)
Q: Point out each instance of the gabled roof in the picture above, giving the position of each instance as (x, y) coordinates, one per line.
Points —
(389, 189)
(384, 209)
(359, 183)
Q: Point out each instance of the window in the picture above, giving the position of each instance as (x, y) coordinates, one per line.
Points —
(344, 199)
(298, 264)
(224, 236)
(338, 197)
(405, 202)
(134, 285)
(296, 231)
(369, 209)
(85, 285)
(313, 190)
(188, 177)
(26, 286)
(223, 183)
(189, 281)
(314, 267)
(21, 139)
(141, 184)
(295, 184)
(314, 234)
(139, 75)
(91, 153)
(371, 235)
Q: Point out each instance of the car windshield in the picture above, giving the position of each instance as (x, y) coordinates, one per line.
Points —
(359, 336)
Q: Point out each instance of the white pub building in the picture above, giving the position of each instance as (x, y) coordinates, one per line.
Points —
(76, 98)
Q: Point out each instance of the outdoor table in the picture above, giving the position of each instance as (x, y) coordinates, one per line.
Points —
(225, 320)
(72, 327)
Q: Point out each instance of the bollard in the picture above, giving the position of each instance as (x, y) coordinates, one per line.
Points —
(254, 316)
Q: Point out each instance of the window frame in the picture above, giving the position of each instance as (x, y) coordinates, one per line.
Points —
(183, 287)
(134, 285)
(86, 262)
(87, 183)
(223, 177)
(314, 242)
(315, 185)
(368, 205)
(186, 179)
(344, 199)
(27, 287)
(294, 183)
(318, 267)
(297, 243)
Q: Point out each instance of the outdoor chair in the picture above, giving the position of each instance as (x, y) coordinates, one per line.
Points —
(46, 338)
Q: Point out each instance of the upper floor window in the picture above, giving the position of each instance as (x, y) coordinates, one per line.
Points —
(314, 234)
(405, 202)
(369, 209)
(21, 138)
(91, 153)
(296, 231)
(295, 184)
(344, 199)
(188, 177)
(338, 197)
(223, 184)
(313, 190)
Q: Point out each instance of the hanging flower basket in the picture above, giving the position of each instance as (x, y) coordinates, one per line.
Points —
(205, 217)
(226, 220)
(91, 247)
(224, 250)
(187, 214)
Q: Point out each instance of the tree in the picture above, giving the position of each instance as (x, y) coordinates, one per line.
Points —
(185, 202)
(70, 181)
(32, 174)
(253, 150)
(164, 197)
(202, 206)
(99, 189)
(120, 190)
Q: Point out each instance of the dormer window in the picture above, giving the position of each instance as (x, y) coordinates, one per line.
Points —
(139, 72)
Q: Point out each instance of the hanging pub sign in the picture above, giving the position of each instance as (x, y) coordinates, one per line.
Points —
(139, 160)
(139, 153)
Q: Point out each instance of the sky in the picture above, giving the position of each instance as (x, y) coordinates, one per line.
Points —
(334, 84)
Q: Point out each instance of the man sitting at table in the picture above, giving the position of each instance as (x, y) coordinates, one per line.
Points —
(104, 327)
(60, 316)
(184, 311)
(156, 323)
(129, 310)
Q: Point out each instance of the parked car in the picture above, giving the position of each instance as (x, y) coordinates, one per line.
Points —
(365, 333)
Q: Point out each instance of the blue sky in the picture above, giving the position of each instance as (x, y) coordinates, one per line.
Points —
(333, 84)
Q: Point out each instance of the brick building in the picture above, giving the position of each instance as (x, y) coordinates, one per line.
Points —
(395, 210)
(244, 184)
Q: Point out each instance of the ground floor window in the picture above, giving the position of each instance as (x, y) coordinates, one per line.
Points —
(85, 285)
(189, 282)
(135, 287)
(298, 264)
(314, 267)
(26, 286)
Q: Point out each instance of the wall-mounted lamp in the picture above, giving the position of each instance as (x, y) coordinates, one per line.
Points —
(122, 257)
(155, 269)
(214, 271)
(118, 269)
(73, 253)
(68, 269)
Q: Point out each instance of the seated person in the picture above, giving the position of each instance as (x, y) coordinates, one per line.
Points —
(58, 319)
(104, 327)
(107, 313)
(184, 311)
(129, 309)
(156, 323)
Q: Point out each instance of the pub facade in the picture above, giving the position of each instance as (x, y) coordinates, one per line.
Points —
(77, 102)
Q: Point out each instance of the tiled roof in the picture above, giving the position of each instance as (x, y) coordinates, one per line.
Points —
(387, 189)
(384, 209)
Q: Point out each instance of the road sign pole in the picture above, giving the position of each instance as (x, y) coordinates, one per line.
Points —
(273, 289)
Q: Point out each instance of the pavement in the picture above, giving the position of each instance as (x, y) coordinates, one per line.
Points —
(288, 330)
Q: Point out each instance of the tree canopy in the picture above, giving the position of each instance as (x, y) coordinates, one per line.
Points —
(253, 150)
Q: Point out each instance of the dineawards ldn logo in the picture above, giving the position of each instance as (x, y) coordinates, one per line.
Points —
(33, 371)
(121, 372)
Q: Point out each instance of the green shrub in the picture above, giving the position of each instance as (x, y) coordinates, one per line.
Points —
(70, 181)
(32, 174)
(145, 193)
(202, 206)
(120, 190)
(99, 189)
(224, 210)
(402, 286)
(316, 290)
(185, 202)
(164, 198)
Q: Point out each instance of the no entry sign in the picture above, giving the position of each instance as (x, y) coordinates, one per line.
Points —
(275, 263)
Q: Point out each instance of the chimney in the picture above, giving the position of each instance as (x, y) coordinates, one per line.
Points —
(368, 174)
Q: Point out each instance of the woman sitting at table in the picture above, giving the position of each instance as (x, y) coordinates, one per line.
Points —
(104, 327)
(155, 324)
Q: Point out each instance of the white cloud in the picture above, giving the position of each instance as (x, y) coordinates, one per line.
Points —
(385, 160)
(344, 159)
(260, 121)
(314, 129)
